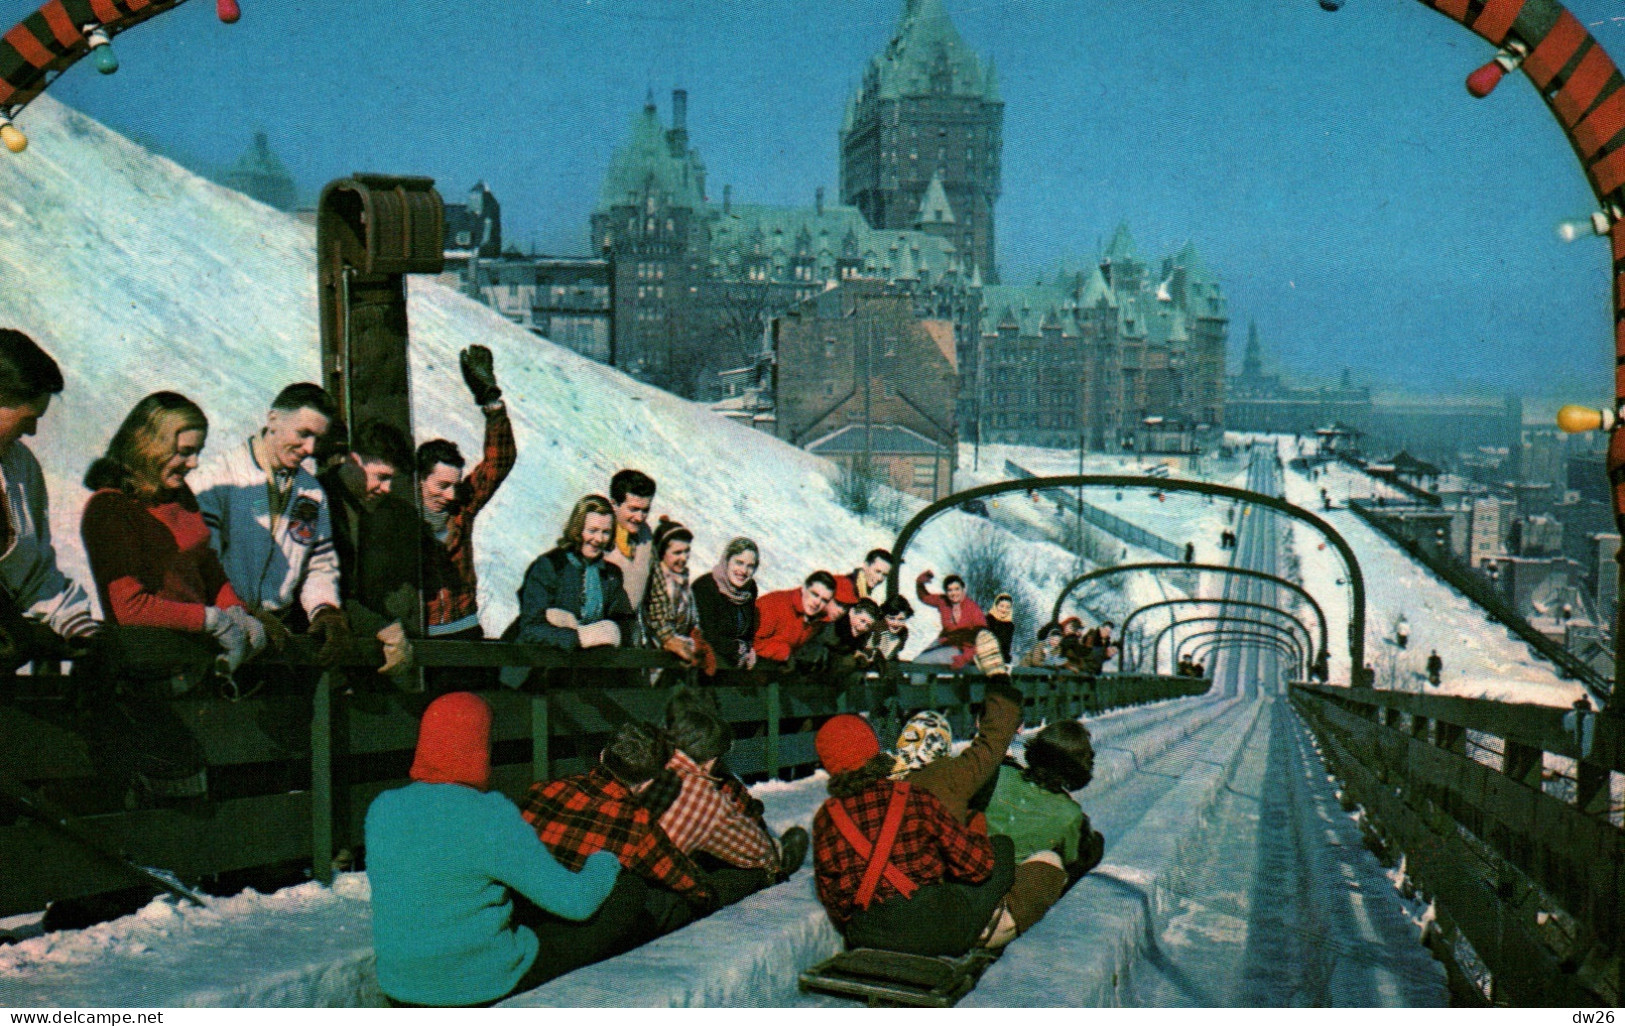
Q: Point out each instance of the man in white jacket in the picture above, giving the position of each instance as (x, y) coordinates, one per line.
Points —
(270, 521)
(53, 607)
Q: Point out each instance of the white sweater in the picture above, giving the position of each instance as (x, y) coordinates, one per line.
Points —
(268, 571)
(28, 570)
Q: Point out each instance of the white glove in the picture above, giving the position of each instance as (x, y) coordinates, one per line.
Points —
(563, 618)
(257, 636)
(397, 649)
(597, 635)
(230, 633)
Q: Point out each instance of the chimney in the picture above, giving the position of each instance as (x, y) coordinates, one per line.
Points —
(727, 198)
(818, 200)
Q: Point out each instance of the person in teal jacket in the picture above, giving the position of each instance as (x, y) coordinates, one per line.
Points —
(443, 853)
(1034, 807)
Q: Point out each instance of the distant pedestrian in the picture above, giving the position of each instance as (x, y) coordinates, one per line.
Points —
(1435, 667)
(1190, 552)
(1402, 632)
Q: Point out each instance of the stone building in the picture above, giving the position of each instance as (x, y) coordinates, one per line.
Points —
(861, 378)
(922, 138)
(1103, 355)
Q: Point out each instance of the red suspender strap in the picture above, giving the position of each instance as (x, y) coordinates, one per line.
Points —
(879, 854)
(881, 859)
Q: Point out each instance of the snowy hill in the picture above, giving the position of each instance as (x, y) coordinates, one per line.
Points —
(138, 275)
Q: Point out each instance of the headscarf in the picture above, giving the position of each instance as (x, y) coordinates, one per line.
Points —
(926, 737)
(993, 610)
(719, 573)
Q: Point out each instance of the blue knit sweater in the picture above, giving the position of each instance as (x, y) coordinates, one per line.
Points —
(441, 858)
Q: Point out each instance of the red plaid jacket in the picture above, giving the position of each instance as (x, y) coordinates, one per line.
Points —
(576, 816)
(705, 818)
(931, 847)
(451, 561)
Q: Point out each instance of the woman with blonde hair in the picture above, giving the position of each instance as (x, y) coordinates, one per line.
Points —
(162, 585)
(572, 597)
(146, 541)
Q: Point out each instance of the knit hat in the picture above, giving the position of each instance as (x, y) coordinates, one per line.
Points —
(845, 743)
(454, 742)
(925, 737)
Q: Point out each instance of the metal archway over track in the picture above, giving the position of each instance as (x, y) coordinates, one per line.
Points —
(1284, 643)
(1351, 563)
(1214, 568)
(1239, 603)
(1280, 631)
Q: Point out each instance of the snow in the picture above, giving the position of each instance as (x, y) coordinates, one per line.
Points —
(1481, 659)
(309, 946)
(159, 279)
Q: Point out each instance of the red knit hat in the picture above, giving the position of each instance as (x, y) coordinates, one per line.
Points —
(454, 742)
(845, 743)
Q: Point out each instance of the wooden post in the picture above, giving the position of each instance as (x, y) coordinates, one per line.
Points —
(771, 756)
(540, 725)
(321, 778)
(371, 232)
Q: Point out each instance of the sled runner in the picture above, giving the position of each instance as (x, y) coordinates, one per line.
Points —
(890, 978)
(32, 804)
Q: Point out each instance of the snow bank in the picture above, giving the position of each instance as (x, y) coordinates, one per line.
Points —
(309, 946)
(1084, 948)
(138, 275)
(1481, 659)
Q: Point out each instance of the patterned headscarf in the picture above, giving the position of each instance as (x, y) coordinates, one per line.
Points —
(925, 737)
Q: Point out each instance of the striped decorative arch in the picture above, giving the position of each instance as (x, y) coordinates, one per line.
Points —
(53, 38)
(1586, 94)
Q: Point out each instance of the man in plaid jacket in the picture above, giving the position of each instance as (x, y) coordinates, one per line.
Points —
(710, 813)
(450, 502)
(939, 887)
(603, 810)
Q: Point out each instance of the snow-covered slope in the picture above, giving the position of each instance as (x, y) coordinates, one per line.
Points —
(138, 276)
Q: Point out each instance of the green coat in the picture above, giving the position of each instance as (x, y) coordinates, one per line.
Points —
(1032, 817)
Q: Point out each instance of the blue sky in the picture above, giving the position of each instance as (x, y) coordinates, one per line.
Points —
(1330, 167)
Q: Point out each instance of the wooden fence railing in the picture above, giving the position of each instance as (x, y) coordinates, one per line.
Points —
(293, 768)
(1528, 866)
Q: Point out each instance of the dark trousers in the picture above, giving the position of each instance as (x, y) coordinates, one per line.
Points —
(620, 924)
(731, 883)
(941, 918)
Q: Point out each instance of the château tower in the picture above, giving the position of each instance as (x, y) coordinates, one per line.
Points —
(922, 138)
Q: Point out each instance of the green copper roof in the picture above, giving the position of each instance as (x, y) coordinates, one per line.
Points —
(934, 205)
(1095, 291)
(927, 51)
(750, 231)
(645, 159)
(1122, 245)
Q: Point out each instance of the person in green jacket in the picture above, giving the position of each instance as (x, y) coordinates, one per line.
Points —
(1034, 807)
(443, 855)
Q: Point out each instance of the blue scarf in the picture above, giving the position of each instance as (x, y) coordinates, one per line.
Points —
(592, 588)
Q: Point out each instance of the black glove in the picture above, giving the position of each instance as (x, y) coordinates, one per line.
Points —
(333, 627)
(480, 374)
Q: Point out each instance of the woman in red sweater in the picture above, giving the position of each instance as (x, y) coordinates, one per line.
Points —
(146, 541)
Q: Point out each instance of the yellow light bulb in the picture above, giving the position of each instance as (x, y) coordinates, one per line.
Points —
(1576, 419)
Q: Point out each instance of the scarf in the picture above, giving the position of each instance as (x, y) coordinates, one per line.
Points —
(738, 596)
(625, 543)
(682, 600)
(592, 588)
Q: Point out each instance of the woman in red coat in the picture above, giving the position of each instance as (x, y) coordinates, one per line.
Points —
(146, 541)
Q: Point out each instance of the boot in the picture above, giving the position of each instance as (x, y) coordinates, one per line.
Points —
(792, 851)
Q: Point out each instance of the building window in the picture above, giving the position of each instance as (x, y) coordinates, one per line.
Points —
(925, 474)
